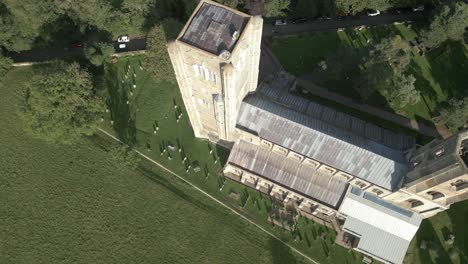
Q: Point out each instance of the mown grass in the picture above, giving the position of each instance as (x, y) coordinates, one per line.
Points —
(434, 232)
(158, 104)
(440, 73)
(72, 204)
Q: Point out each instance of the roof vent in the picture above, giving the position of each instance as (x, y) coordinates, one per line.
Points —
(235, 35)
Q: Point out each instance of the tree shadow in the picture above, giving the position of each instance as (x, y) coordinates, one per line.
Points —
(178, 9)
(123, 119)
(280, 253)
(223, 154)
(458, 214)
(449, 68)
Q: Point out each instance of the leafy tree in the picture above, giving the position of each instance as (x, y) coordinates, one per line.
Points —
(22, 21)
(230, 3)
(455, 115)
(357, 6)
(402, 91)
(5, 65)
(306, 8)
(394, 51)
(449, 23)
(276, 8)
(59, 104)
(125, 157)
(98, 53)
(157, 59)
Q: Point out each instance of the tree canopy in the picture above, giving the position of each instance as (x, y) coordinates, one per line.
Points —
(455, 115)
(157, 59)
(98, 53)
(357, 6)
(59, 103)
(448, 23)
(5, 65)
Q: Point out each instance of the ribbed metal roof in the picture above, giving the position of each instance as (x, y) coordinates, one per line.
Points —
(385, 230)
(288, 173)
(354, 150)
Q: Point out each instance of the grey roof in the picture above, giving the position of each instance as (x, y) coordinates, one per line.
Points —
(212, 28)
(353, 148)
(288, 173)
(440, 168)
(388, 234)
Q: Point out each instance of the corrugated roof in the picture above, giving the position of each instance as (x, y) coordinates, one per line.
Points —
(342, 148)
(288, 173)
(212, 28)
(385, 230)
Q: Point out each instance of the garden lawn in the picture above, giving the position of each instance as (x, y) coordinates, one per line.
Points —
(440, 73)
(73, 204)
(149, 122)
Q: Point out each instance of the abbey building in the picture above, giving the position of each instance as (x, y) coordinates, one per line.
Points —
(374, 185)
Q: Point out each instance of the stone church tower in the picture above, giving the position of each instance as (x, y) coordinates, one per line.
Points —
(216, 61)
(438, 176)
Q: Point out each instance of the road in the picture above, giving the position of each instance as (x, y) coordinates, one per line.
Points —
(334, 24)
(46, 54)
(210, 196)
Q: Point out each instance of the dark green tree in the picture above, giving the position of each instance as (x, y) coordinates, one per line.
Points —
(455, 115)
(306, 8)
(5, 65)
(449, 23)
(22, 21)
(98, 53)
(357, 6)
(124, 157)
(60, 105)
(395, 51)
(157, 59)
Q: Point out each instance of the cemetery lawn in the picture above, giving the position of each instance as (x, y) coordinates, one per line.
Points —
(434, 232)
(74, 204)
(155, 106)
(440, 73)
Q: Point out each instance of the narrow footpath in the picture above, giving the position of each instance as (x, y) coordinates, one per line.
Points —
(210, 196)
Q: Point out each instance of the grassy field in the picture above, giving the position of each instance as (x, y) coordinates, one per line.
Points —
(72, 204)
(440, 74)
(434, 232)
(154, 105)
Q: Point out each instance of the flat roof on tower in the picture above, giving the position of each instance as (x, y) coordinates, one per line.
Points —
(212, 28)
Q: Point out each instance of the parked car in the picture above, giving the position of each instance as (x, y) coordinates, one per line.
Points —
(122, 46)
(123, 39)
(281, 22)
(76, 44)
(372, 12)
(418, 8)
(299, 20)
(324, 18)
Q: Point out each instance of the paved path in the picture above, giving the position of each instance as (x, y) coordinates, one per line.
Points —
(211, 197)
(397, 119)
(334, 24)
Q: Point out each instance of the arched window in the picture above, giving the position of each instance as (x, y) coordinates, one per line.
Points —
(435, 195)
(459, 185)
(415, 203)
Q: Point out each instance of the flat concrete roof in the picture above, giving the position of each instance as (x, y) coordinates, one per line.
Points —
(212, 28)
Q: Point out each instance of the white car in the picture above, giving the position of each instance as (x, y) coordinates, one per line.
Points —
(122, 46)
(122, 39)
(281, 22)
(373, 12)
(418, 8)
